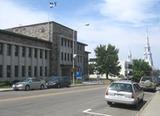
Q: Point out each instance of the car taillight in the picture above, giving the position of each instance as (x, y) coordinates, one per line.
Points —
(133, 96)
(106, 92)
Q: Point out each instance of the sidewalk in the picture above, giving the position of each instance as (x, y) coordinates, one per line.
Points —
(5, 89)
(153, 107)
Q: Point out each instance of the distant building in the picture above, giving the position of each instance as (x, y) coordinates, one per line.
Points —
(40, 50)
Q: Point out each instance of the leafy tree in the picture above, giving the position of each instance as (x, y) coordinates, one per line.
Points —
(140, 68)
(107, 60)
(91, 68)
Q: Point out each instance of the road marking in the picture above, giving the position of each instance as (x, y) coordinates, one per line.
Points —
(88, 111)
(48, 94)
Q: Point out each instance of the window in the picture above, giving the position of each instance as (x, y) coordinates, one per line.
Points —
(41, 71)
(65, 42)
(23, 51)
(29, 71)
(30, 52)
(35, 52)
(16, 71)
(1, 71)
(35, 71)
(16, 50)
(46, 52)
(68, 57)
(23, 71)
(45, 71)
(8, 49)
(61, 41)
(62, 56)
(1, 48)
(71, 44)
(8, 70)
(71, 57)
(65, 56)
(41, 53)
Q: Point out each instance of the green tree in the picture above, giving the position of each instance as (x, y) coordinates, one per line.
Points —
(140, 68)
(91, 68)
(107, 60)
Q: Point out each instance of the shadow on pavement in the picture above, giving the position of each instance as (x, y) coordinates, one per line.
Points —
(129, 107)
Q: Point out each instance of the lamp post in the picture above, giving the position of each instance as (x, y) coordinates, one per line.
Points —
(74, 55)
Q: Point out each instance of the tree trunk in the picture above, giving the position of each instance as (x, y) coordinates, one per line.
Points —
(106, 75)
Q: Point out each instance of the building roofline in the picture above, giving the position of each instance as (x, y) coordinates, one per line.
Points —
(39, 24)
(21, 35)
(82, 43)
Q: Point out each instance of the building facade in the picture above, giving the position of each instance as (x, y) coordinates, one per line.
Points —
(22, 56)
(59, 40)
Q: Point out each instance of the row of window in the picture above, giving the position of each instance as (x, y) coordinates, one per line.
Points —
(66, 56)
(23, 69)
(17, 50)
(69, 44)
(66, 43)
(69, 57)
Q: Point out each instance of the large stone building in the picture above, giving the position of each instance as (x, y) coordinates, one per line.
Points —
(40, 50)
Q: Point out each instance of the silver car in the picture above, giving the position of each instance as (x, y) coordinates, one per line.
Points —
(29, 84)
(125, 92)
(148, 83)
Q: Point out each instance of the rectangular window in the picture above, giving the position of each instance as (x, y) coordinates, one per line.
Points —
(16, 71)
(41, 53)
(46, 53)
(45, 71)
(62, 56)
(1, 48)
(8, 49)
(23, 71)
(1, 71)
(23, 51)
(30, 52)
(71, 57)
(68, 57)
(65, 56)
(65, 42)
(16, 50)
(35, 52)
(29, 71)
(61, 41)
(35, 71)
(71, 44)
(8, 70)
(41, 71)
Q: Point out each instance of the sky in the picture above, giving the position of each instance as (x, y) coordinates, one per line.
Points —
(122, 23)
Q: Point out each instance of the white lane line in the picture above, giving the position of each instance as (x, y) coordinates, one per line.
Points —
(88, 111)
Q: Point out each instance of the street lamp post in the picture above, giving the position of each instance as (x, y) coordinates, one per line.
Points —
(74, 55)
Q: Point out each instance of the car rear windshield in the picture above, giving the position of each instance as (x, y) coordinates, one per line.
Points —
(146, 78)
(121, 87)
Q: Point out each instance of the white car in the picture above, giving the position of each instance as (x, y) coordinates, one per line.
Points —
(125, 92)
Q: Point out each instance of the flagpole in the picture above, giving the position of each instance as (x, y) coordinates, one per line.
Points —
(51, 5)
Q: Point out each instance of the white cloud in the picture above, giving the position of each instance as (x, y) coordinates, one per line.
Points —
(131, 11)
(13, 15)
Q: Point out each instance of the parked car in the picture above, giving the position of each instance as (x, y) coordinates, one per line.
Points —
(58, 81)
(148, 83)
(125, 92)
(29, 84)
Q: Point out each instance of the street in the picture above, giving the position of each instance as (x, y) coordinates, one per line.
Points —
(74, 101)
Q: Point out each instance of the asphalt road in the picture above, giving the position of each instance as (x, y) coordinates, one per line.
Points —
(75, 101)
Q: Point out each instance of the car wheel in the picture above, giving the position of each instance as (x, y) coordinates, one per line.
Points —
(41, 87)
(136, 105)
(58, 86)
(109, 103)
(27, 88)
